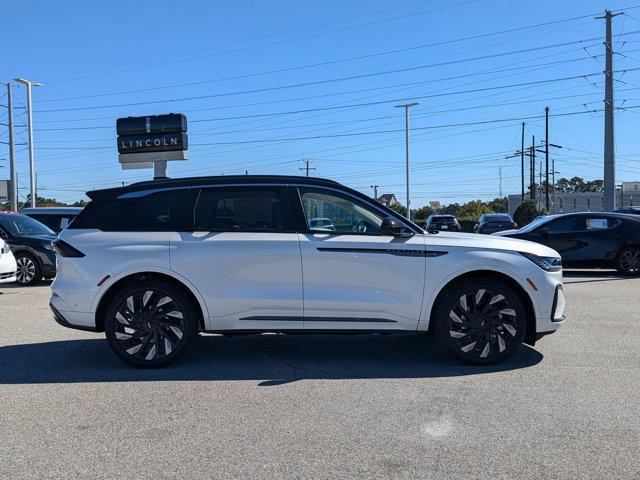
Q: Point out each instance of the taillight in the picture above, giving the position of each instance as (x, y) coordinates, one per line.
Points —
(63, 249)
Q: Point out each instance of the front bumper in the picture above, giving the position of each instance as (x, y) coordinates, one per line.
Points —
(48, 263)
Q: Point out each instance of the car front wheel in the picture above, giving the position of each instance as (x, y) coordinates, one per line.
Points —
(150, 323)
(481, 321)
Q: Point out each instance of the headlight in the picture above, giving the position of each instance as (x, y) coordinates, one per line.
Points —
(550, 264)
(48, 246)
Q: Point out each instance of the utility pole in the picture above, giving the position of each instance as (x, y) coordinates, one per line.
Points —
(500, 181)
(546, 158)
(406, 130)
(13, 193)
(32, 164)
(609, 203)
(540, 175)
(532, 168)
(375, 191)
(307, 167)
(522, 163)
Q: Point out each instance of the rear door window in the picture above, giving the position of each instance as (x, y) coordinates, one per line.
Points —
(243, 209)
(565, 225)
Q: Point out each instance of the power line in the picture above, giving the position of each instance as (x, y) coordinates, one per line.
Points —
(333, 80)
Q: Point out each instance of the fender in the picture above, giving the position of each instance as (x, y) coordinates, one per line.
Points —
(493, 263)
(170, 273)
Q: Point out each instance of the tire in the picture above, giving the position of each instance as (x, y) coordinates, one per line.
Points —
(628, 261)
(150, 323)
(481, 321)
(29, 271)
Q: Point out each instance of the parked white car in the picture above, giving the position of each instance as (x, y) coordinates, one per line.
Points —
(153, 263)
(8, 265)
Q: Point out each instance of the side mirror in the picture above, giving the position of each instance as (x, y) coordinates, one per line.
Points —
(544, 232)
(393, 227)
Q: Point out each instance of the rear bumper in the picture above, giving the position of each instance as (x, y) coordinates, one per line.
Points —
(8, 268)
(60, 319)
(66, 316)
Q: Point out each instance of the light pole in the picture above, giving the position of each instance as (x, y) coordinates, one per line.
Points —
(406, 127)
(32, 165)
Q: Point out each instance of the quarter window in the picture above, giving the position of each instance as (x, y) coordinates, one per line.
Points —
(253, 209)
(332, 212)
(160, 211)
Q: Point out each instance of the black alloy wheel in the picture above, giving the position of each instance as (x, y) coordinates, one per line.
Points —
(150, 324)
(481, 321)
(628, 261)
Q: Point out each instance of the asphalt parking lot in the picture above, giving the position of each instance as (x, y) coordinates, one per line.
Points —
(365, 406)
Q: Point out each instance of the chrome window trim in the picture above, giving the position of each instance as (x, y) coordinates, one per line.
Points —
(144, 193)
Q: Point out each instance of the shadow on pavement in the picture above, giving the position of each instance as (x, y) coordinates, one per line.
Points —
(271, 359)
(592, 276)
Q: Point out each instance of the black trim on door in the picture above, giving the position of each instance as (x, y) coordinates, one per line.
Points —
(388, 251)
(318, 319)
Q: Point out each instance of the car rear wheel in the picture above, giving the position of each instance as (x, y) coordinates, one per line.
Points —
(150, 324)
(628, 261)
(28, 270)
(481, 321)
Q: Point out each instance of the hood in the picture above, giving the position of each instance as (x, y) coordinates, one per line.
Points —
(45, 238)
(488, 242)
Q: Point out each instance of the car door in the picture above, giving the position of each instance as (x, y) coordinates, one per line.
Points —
(601, 238)
(354, 278)
(243, 256)
(563, 234)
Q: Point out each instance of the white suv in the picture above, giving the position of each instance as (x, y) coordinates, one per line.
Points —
(154, 263)
(8, 265)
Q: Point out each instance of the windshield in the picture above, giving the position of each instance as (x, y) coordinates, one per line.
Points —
(19, 225)
(442, 220)
(536, 223)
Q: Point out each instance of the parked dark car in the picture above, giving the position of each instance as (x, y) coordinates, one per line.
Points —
(588, 239)
(442, 222)
(631, 210)
(56, 218)
(30, 242)
(495, 222)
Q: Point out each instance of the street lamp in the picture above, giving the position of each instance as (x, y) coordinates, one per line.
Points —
(406, 123)
(32, 165)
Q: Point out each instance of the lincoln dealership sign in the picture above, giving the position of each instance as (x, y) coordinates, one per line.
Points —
(145, 141)
(152, 143)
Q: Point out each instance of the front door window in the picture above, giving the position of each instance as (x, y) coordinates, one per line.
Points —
(328, 212)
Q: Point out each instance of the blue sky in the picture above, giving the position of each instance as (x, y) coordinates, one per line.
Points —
(103, 60)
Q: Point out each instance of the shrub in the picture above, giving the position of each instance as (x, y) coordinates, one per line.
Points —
(527, 211)
(467, 224)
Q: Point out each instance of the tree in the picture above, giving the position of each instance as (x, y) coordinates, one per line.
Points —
(594, 186)
(526, 212)
(451, 209)
(473, 209)
(399, 208)
(422, 213)
(579, 185)
(499, 205)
